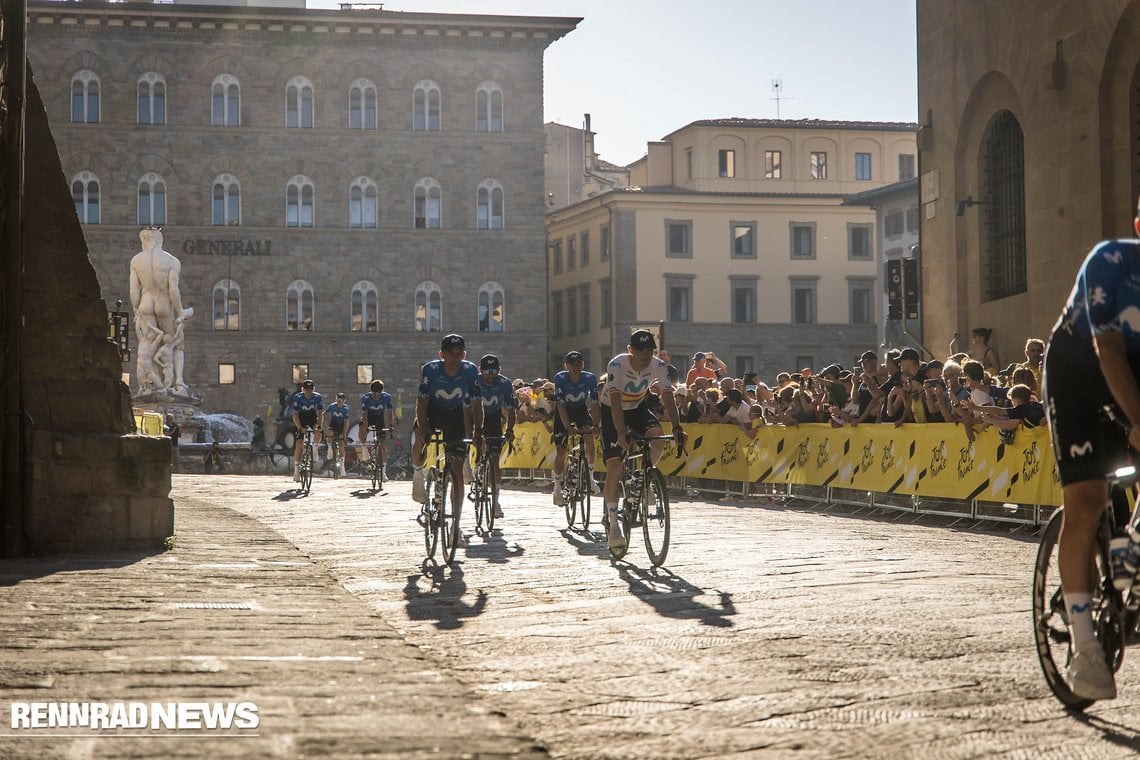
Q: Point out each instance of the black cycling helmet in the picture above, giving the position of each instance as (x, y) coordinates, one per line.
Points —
(377, 386)
(489, 362)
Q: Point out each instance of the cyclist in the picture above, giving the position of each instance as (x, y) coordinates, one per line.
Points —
(447, 387)
(576, 398)
(498, 401)
(376, 410)
(1093, 359)
(308, 411)
(338, 421)
(625, 393)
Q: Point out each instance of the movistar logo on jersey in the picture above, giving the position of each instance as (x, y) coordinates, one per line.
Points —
(576, 397)
(448, 395)
(632, 387)
(490, 401)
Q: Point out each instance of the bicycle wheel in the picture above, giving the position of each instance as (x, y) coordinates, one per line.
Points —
(479, 499)
(491, 490)
(1050, 618)
(307, 467)
(430, 512)
(655, 516)
(625, 520)
(374, 468)
(448, 515)
(587, 487)
(570, 490)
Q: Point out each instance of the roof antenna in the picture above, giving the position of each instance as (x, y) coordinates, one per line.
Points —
(777, 84)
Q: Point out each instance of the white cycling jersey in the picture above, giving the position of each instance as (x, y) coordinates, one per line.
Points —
(633, 384)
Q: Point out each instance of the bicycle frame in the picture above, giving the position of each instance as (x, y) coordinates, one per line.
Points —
(445, 489)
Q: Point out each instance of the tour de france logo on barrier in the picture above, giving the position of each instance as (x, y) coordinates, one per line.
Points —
(938, 460)
(888, 457)
(868, 457)
(804, 452)
(753, 452)
(823, 454)
(535, 445)
(731, 451)
(966, 460)
(1032, 464)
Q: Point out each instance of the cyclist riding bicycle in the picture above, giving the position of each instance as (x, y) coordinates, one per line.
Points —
(338, 421)
(576, 399)
(376, 410)
(1093, 359)
(498, 402)
(308, 411)
(625, 393)
(448, 385)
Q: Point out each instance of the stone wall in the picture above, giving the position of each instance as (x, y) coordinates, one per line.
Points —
(93, 485)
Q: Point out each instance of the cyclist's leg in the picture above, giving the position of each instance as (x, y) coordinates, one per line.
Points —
(611, 490)
(451, 424)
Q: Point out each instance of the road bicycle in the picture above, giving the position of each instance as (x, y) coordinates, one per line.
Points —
(644, 500)
(334, 452)
(484, 493)
(308, 456)
(398, 466)
(577, 485)
(439, 518)
(375, 462)
(1116, 613)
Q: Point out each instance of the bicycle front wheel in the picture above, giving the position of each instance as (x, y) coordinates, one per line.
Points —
(479, 498)
(587, 488)
(655, 516)
(491, 490)
(570, 491)
(374, 468)
(431, 509)
(449, 515)
(307, 468)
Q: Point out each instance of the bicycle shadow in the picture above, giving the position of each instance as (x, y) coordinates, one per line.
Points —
(1114, 733)
(291, 494)
(367, 493)
(492, 547)
(443, 603)
(672, 596)
(587, 543)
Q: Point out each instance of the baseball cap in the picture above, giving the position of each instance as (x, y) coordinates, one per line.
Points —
(308, 384)
(934, 364)
(517, 383)
(488, 362)
(642, 339)
(573, 357)
(868, 356)
(452, 341)
(699, 355)
(893, 355)
(831, 369)
(911, 354)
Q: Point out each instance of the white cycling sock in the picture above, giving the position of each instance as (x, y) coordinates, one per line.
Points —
(1079, 606)
(612, 510)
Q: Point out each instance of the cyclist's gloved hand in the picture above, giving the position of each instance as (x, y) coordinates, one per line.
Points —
(680, 437)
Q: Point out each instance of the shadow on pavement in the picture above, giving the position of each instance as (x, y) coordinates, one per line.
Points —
(443, 603)
(587, 542)
(672, 596)
(290, 494)
(13, 571)
(493, 548)
(1115, 733)
(367, 493)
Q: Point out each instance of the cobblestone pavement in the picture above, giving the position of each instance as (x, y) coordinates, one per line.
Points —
(772, 632)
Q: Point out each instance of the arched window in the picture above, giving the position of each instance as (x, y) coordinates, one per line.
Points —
(1003, 208)
(225, 203)
(299, 307)
(425, 106)
(85, 193)
(364, 307)
(362, 203)
(428, 205)
(489, 108)
(492, 310)
(299, 202)
(489, 205)
(362, 105)
(152, 98)
(152, 199)
(85, 97)
(225, 102)
(299, 103)
(429, 307)
(227, 306)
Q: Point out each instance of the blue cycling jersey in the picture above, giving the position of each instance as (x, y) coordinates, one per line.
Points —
(338, 412)
(376, 404)
(498, 396)
(447, 391)
(575, 394)
(1106, 296)
(313, 404)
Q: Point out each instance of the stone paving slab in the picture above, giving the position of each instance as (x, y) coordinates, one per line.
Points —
(232, 613)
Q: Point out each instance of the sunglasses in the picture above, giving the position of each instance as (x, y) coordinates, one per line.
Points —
(490, 372)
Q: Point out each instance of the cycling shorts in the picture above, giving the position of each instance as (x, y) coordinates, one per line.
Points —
(579, 415)
(448, 420)
(639, 419)
(307, 418)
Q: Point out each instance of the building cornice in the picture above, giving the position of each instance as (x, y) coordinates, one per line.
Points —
(352, 22)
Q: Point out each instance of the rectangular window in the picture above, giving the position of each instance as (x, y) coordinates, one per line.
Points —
(606, 288)
(803, 301)
(556, 314)
(818, 165)
(584, 307)
(804, 361)
(772, 164)
(743, 302)
(571, 253)
(744, 365)
(584, 248)
(604, 254)
(300, 373)
(689, 162)
(227, 374)
(862, 166)
(859, 241)
(743, 240)
(912, 220)
(677, 237)
(556, 255)
(726, 163)
(679, 297)
(893, 224)
(803, 240)
(364, 374)
(571, 311)
(906, 166)
(859, 295)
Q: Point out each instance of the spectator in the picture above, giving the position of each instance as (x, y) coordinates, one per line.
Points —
(1034, 361)
(893, 381)
(213, 462)
(755, 420)
(705, 365)
(1024, 376)
(666, 357)
(171, 428)
(1025, 413)
(981, 351)
(734, 410)
(982, 391)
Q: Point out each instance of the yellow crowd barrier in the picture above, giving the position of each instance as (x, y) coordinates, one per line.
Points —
(933, 460)
(148, 423)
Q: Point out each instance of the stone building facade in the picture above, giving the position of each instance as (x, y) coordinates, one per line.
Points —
(341, 187)
(1029, 154)
(733, 237)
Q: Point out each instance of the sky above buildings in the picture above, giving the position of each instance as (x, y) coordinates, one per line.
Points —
(644, 68)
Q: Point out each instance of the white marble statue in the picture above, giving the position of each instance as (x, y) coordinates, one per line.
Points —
(159, 317)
